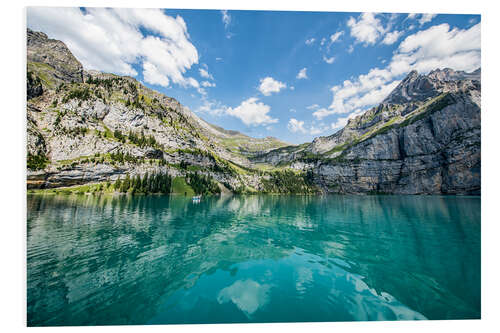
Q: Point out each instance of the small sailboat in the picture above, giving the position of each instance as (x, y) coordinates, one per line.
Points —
(197, 198)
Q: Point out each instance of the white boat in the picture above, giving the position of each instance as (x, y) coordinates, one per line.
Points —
(197, 198)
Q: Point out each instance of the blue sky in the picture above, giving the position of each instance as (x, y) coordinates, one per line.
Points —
(292, 75)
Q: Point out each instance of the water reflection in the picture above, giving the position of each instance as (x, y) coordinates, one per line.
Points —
(159, 259)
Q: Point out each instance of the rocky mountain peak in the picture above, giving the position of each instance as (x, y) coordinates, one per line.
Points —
(53, 56)
(417, 87)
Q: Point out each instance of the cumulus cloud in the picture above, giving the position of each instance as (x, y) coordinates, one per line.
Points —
(391, 37)
(269, 85)
(312, 107)
(207, 84)
(366, 29)
(426, 18)
(205, 74)
(329, 60)
(112, 40)
(302, 74)
(310, 41)
(436, 47)
(252, 112)
(212, 107)
(298, 126)
(295, 126)
(335, 37)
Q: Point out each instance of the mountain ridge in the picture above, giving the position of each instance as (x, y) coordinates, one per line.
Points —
(77, 128)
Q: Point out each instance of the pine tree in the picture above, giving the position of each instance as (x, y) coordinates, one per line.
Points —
(118, 184)
(126, 184)
(145, 185)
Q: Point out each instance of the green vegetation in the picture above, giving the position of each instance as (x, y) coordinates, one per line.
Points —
(97, 188)
(75, 131)
(32, 79)
(180, 186)
(155, 183)
(37, 162)
(142, 140)
(202, 184)
(82, 94)
(42, 73)
(289, 182)
(119, 136)
(434, 105)
(120, 157)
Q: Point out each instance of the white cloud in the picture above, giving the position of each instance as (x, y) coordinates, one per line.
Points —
(205, 74)
(292, 88)
(322, 113)
(298, 126)
(350, 49)
(392, 37)
(436, 47)
(252, 112)
(111, 40)
(329, 60)
(335, 37)
(211, 107)
(323, 41)
(207, 84)
(295, 126)
(310, 41)
(366, 29)
(317, 130)
(342, 121)
(312, 107)
(426, 18)
(269, 85)
(293, 110)
(302, 74)
(226, 18)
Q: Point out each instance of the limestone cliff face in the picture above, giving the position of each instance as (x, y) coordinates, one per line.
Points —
(440, 153)
(424, 138)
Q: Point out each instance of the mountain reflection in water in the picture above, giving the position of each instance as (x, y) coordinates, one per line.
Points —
(102, 260)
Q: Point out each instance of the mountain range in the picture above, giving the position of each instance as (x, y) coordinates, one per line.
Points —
(88, 127)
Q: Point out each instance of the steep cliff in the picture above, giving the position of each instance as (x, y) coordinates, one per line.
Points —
(424, 138)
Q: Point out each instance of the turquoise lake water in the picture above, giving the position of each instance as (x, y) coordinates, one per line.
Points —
(103, 260)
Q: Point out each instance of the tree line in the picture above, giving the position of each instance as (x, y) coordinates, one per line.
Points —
(155, 183)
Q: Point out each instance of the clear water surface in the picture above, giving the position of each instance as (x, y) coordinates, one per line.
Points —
(102, 260)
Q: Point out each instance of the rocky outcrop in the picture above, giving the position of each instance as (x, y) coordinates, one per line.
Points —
(435, 149)
(54, 53)
(88, 126)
